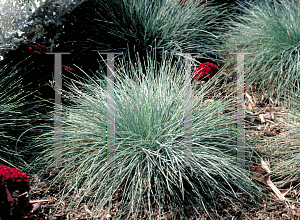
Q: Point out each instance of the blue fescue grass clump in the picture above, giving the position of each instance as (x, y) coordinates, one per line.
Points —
(146, 25)
(269, 32)
(287, 147)
(151, 168)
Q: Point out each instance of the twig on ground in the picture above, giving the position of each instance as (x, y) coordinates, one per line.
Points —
(41, 200)
(288, 183)
(250, 99)
(268, 181)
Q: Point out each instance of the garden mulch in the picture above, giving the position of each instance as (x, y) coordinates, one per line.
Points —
(270, 209)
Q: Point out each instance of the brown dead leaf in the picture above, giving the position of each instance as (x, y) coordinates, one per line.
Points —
(259, 174)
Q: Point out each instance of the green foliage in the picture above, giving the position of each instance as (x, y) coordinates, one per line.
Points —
(17, 114)
(149, 145)
(32, 20)
(144, 25)
(287, 153)
(11, 107)
(269, 31)
(48, 19)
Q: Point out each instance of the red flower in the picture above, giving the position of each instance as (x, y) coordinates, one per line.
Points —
(67, 68)
(12, 174)
(11, 180)
(37, 49)
(205, 71)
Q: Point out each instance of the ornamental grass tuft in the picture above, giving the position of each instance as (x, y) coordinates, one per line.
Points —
(11, 107)
(145, 25)
(269, 31)
(17, 114)
(151, 169)
(286, 151)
